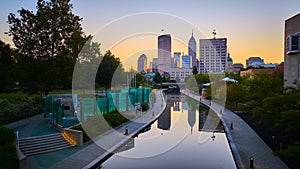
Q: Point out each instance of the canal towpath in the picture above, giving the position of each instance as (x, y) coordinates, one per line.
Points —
(244, 141)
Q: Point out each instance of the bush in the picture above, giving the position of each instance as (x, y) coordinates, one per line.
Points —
(96, 125)
(114, 118)
(17, 106)
(144, 106)
(8, 153)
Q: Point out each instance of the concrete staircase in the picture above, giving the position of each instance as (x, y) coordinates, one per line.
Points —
(43, 144)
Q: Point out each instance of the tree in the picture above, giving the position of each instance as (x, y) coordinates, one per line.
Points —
(51, 39)
(157, 78)
(139, 79)
(195, 71)
(49, 32)
(7, 63)
(106, 70)
(236, 93)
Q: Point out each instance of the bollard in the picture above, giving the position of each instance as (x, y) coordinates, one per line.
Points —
(50, 118)
(63, 122)
(251, 162)
(231, 125)
(153, 113)
(126, 130)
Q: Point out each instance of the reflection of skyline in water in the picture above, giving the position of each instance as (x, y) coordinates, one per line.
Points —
(164, 121)
(208, 121)
(183, 145)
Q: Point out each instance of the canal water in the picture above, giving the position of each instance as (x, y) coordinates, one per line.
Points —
(187, 135)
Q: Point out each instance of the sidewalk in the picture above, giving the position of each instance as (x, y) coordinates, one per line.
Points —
(243, 140)
(107, 143)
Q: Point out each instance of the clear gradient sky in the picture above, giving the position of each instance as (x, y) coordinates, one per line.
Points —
(252, 27)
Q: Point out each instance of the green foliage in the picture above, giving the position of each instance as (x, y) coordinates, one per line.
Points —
(8, 153)
(96, 125)
(17, 106)
(195, 82)
(195, 71)
(276, 108)
(106, 70)
(48, 42)
(145, 106)
(236, 93)
(157, 78)
(7, 64)
(291, 155)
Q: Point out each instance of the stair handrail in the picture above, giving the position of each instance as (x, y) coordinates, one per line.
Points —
(17, 133)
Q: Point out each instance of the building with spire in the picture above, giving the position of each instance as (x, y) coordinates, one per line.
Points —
(229, 63)
(142, 63)
(192, 50)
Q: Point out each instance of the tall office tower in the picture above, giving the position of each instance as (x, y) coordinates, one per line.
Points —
(213, 55)
(177, 59)
(192, 50)
(186, 61)
(164, 52)
(292, 51)
(142, 63)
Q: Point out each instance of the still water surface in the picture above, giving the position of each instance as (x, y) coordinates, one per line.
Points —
(182, 137)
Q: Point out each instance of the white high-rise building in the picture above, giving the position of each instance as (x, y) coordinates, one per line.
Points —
(213, 54)
(142, 63)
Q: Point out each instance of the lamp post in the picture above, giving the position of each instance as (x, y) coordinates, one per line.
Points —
(251, 162)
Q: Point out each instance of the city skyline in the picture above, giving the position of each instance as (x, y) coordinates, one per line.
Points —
(253, 28)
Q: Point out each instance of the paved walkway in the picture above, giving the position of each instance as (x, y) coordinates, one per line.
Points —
(243, 140)
(107, 143)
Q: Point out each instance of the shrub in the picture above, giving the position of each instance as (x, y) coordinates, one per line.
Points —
(17, 106)
(96, 125)
(144, 106)
(8, 153)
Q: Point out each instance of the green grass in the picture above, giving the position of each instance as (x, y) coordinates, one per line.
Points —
(97, 125)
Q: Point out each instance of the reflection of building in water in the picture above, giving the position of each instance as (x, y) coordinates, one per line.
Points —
(191, 118)
(209, 122)
(164, 121)
(127, 146)
(176, 106)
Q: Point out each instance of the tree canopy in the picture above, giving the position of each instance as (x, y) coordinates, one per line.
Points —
(7, 64)
(49, 42)
(106, 70)
(49, 33)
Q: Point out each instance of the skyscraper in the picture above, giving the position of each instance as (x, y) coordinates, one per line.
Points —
(177, 59)
(186, 61)
(142, 63)
(192, 50)
(213, 55)
(164, 52)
